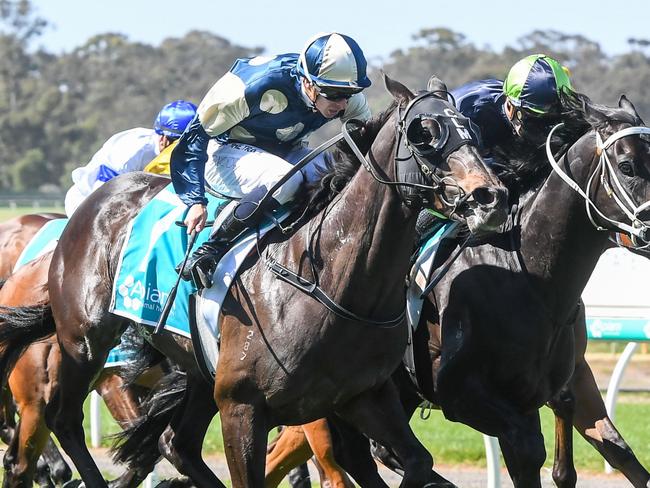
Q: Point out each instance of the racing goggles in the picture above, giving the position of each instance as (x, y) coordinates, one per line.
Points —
(335, 94)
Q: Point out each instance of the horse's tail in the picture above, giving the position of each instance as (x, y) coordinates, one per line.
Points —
(21, 326)
(137, 445)
(143, 355)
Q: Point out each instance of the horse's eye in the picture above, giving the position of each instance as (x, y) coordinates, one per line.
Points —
(626, 168)
(433, 128)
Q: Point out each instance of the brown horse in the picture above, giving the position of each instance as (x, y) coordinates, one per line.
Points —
(302, 360)
(15, 234)
(34, 377)
(295, 445)
(36, 371)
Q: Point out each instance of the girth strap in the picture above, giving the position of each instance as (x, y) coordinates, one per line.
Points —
(316, 292)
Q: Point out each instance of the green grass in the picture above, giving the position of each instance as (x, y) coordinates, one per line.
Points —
(453, 443)
(7, 213)
(456, 444)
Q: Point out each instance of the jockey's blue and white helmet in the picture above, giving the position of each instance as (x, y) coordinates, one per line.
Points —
(334, 61)
(173, 118)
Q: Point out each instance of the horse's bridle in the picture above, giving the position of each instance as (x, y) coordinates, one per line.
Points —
(637, 229)
(446, 146)
(455, 132)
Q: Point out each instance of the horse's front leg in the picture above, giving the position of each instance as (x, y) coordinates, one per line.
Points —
(379, 415)
(289, 449)
(523, 449)
(244, 427)
(564, 471)
(320, 440)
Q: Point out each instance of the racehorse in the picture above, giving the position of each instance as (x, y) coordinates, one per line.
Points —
(302, 361)
(503, 334)
(501, 339)
(31, 381)
(15, 234)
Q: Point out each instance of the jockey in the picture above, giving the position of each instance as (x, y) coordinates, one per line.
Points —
(527, 104)
(130, 150)
(258, 116)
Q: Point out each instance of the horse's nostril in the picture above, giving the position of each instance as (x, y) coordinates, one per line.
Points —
(489, 196)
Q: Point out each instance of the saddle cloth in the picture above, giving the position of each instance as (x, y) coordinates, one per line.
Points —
(146, 273)
(153, 247)
(43, 242)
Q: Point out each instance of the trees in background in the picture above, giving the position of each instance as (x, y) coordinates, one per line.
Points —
(57, 110)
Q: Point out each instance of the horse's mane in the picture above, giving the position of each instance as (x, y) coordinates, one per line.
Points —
(521, 166)
(342, 164)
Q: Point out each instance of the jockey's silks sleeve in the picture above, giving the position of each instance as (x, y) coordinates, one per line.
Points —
(223, 107)
(187, 164)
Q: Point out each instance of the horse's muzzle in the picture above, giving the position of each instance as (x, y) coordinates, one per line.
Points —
(490, 209)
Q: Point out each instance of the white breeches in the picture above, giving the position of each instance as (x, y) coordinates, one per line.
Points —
(236, 169)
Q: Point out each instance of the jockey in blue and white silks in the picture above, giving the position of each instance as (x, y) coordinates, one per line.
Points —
(524, 105)
(255, 119)
(127, 151)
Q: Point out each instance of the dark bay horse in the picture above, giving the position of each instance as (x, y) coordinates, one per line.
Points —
(302, 361)
(501, 338)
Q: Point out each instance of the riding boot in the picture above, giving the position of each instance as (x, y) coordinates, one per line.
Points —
(202, 263)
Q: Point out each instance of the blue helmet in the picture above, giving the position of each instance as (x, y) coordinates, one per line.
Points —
(173, 118)
(334, 60)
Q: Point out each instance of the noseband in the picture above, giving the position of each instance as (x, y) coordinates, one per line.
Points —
(639, 230)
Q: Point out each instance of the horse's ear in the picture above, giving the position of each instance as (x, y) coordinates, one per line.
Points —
(593, 115)
(400, 92)
(435, 84)
(626, 105)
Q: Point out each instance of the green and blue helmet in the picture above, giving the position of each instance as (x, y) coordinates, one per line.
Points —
(536, 82)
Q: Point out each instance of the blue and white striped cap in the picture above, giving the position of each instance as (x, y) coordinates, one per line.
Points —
(334, 60)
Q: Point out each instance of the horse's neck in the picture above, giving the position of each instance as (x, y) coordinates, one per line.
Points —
(560, 246)
(365, 244)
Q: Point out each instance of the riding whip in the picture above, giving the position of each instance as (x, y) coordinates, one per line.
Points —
(172, 293)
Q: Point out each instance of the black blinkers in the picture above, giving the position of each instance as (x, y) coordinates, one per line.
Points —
(430, 129)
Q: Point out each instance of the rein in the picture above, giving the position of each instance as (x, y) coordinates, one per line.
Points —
(313, 289)
(638, 228)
